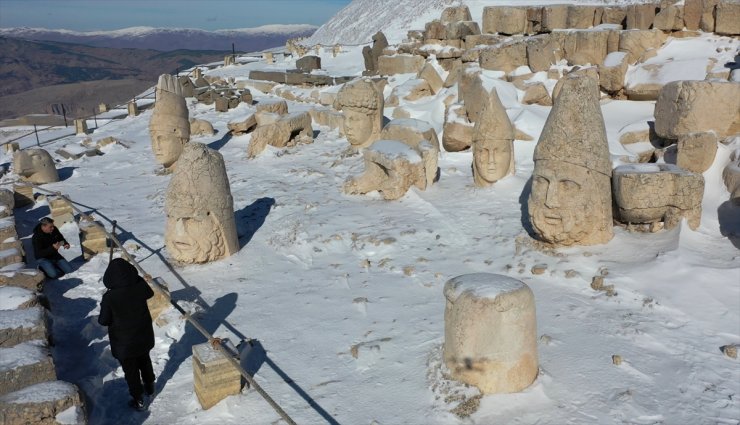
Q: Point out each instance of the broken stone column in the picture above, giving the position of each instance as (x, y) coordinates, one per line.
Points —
(570, 202)
(490, 332)
(653, 193)
(169, 127)
(362, 104)
(685, 107)
(133, 108)
(81, 126)
(199, 207)
(93, 239)
(493, 143)
(214, 377)
(61, 211)
(35, 166)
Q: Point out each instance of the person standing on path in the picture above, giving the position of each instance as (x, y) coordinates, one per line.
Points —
(124, 311)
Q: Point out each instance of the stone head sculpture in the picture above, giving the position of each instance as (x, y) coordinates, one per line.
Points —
(571, 202)
(35, 166)
(199, 207)
(169, 127)
(362, 104)
(493, 143)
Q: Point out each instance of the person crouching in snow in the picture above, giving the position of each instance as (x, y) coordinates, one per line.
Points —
(46, 241)
(124, 311)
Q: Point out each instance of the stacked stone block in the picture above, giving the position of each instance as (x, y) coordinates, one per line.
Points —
(215, 378)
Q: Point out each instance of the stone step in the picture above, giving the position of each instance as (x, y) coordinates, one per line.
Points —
(47, 403)
(25, 364)
(18, 326)
(14, 298)
(30, 279)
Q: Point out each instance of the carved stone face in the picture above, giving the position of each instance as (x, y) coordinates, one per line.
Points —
(35, 166)
(169, 128)
(197, 239)
(491, 161)
(358, 127)
(567, 204)
(167, 146)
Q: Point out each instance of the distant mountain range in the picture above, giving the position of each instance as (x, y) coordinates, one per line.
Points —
(169, 39)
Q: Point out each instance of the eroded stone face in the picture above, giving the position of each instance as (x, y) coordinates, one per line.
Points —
(169, 127)
(362, 105)
(493, 148)
(35, 166)
(199, 207)
(567, 204)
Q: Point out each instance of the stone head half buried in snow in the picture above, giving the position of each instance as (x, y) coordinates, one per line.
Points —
(362, 104)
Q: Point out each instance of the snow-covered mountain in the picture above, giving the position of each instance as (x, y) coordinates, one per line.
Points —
(168, 39)
(396, 17)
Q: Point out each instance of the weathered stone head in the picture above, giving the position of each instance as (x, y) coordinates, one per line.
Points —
(35, 166)
(570, 202)
(199, 207)
(493, 143)
(362, 104)
(169, 127)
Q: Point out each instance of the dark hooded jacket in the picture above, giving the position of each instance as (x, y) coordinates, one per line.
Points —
(43, 243)
(124, 310)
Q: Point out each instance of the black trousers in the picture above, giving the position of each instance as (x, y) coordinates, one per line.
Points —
(136, 369)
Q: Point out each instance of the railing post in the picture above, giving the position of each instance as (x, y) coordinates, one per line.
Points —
(37, 135)
(112, 243)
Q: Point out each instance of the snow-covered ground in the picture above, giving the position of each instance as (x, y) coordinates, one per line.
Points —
(343, 294)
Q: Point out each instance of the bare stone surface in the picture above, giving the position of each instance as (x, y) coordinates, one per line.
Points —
(400, 64)
(275, 106)
(35, 165)
(431, 76)
(692, 10)
(685, 107)
(536, 94)
(18, 326)
(199, 207)
(640, 16)
(585, 47)
(504, 57)
(649, 193)
(40, 404)
(456, 14)
(669, 18)
(25, 364)
(493, 147)
(93, 238)
(504, 20)
(288, 130)
(214, 377)
(457, 131)
(243, 126)
(580, 16)
(570, 201)
(414, 132)
(169, 127)
(612, 72)
(554, 17)
(544, 50)
(490, 332)
(727, 18)
(696, 151)
(308, 63)
(362, 104)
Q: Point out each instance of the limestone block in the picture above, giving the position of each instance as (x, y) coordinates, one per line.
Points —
(544, 50)
(93, 239)
(669, 18)
(456, 14)
(534, 19)
(18, 326)
(640, 16)
(11, 255)
(391, 168)
(454, 74)
(612, 41)
(61, 211)
(214, 376)
(266, 118)
(580, 17)
(727, 18)
(685, 107)
(692, 10)
(30, 279)
(415, 36)
(233, 102)
(612, 72)
(243, 126)
(413, 89)
(275, 106)
(431, 76)
(554, 17)
(103, 107)
(327, 117)
(7, 228)
(25, 364)
(81, 126)
(434, 30)
(614, 15)
(372, 54)
(731, 176)
(23, 195)
(199, 127)
(200, 223)
(400, 64)
(696, 151)
(287, 131)
(585, 47)
(651, 193)
(7, 200)
(490, 332)
(460, 30)
(504, 57)
(15, 298)
(481, 40)
(40, 404)
(221, 104)
(457, 133)
(636, 42)
(308, 63)
(35, 166)
(414, 132)
(132, 108)
(590, 72)
(504, 20)
(187, 85)
(537, 94)
(707, 21)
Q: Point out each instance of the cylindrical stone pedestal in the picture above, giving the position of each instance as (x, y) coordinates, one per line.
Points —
(490, 332)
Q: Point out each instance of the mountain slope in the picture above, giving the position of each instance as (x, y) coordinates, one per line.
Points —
(168, 39)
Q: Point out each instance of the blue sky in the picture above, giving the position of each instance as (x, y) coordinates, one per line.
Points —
(91, 15)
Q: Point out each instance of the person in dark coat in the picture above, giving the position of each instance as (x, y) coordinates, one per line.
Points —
(46, 242)
(124, 311)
